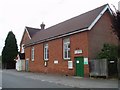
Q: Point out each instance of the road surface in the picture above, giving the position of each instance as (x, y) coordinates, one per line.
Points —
(12, 80)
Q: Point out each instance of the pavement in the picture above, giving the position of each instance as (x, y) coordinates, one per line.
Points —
(72, 81)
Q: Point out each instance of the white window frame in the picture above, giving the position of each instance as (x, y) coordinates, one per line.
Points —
(32, 53)
(66, 43)
(46, 52)
(22, 48)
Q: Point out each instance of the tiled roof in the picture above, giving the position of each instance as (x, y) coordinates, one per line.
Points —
(80, 22)
(32, 31)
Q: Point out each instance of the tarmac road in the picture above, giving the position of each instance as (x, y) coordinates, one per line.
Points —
(17, 81)
(14, 79)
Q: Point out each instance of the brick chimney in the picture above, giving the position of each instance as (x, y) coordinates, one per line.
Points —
(42, 26)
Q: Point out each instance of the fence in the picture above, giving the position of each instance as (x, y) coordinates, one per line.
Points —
(104, 67)
(99, 67)
(20, 65)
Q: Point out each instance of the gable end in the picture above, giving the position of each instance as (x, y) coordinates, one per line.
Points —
(99, 16)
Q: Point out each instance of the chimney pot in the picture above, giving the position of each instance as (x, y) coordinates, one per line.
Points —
(42, 26)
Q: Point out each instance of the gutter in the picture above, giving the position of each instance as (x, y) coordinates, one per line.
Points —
(56, 37)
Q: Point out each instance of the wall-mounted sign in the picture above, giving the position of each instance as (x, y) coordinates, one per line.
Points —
(77, 51)
(85, 60)
(45, 64)
(55, 61)
(112, 61)
(70, 65)
(27, 58)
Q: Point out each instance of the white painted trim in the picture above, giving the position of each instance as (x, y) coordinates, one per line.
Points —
(78, 31)
(32, 54)
(22, 48)
(67, 34)
(111, 12)
(51, 38)
(45, 52)
(66, 41)
(99, 16)
(25, 29)
(67, 58)
(46, 59)
(28, 33)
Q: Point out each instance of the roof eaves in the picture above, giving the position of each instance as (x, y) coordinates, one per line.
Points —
(23, 35)
(99, 16)
(106, 7)
(27, 32)
(59, 36)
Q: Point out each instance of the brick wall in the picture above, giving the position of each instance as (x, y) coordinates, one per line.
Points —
(100, 34)
(78, 41)
(90, 42)
(25, 38)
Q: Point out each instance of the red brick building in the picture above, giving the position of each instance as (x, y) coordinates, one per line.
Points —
(67, 47)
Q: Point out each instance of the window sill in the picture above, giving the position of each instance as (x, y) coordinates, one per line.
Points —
(45, 59)
(32, 60)
(67, 58)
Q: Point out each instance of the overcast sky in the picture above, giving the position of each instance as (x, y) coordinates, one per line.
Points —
(16, 14)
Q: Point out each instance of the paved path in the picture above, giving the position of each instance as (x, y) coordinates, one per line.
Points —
(69, 81)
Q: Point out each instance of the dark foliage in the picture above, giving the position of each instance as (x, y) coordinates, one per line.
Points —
(116, 23)
(10, 51)
(110, 52)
